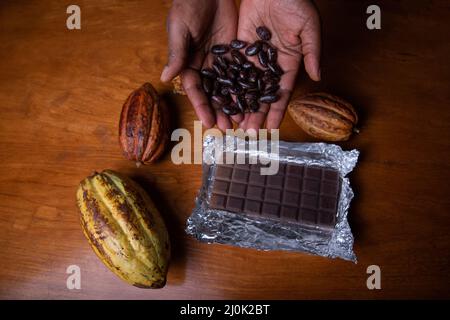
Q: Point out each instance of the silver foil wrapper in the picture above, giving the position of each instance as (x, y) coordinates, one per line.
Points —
(219, 226)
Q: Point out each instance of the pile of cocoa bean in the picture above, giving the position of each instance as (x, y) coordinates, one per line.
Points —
(236, 85)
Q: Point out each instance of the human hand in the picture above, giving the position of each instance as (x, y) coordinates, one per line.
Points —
(193, 27)
(295, 27)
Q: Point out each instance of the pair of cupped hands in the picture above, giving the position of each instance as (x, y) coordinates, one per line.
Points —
(194, 26)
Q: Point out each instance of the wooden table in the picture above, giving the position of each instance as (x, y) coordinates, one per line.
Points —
(61, 93)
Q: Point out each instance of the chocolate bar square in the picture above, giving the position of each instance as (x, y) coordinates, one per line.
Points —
(301, 194)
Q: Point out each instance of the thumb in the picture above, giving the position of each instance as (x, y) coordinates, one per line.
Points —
(310, 37)
(178, 50)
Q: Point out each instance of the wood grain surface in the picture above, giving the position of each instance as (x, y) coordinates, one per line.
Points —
(61, 92)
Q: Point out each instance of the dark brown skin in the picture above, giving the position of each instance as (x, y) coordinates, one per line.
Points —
(295, 28)
(195, 25)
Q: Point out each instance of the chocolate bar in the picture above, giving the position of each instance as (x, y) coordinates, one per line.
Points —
(300, 194)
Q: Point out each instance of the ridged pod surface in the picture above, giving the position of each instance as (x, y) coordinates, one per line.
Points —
(324, 116)
(144, 125)
(124, 228)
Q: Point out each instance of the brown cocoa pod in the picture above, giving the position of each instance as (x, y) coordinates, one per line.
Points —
(324, 116)
(144, 125)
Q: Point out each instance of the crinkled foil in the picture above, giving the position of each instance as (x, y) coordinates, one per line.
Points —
(218, 226)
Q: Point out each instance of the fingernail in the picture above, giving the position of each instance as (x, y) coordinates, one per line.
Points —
(164, 74)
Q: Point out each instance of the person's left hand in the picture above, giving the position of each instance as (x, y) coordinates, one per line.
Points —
(295, 28)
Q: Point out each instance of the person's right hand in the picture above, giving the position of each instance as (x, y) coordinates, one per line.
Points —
(193, 27)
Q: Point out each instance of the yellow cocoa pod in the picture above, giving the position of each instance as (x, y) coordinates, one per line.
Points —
(124, 228)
